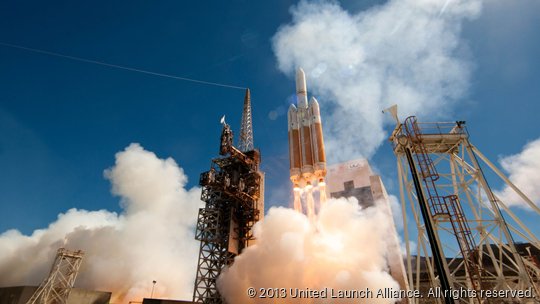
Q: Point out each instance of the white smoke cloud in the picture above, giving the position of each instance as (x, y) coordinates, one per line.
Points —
(524, 172)
(407, 52)
(346, 251)
(395, 208)
(152, 239)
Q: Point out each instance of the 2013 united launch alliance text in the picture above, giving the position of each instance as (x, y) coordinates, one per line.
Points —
(331, 293)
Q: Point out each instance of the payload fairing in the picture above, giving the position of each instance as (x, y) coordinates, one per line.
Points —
(306, 144)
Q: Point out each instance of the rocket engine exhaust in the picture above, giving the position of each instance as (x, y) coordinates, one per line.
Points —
(306, 148)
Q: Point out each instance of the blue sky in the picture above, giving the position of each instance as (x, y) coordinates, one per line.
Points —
(62, 121)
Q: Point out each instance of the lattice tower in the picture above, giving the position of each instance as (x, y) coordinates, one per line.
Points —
(56, 287)
(477, 235)
(233, 191)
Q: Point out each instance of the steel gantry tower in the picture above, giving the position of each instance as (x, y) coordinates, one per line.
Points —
(233, 190)
(466, 236)
(56, 287)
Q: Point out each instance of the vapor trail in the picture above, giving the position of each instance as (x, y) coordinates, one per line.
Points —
(444, 7)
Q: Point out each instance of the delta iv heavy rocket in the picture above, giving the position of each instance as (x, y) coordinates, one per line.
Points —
(306, 144)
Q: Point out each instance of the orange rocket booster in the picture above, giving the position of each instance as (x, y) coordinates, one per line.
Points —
(306, 144)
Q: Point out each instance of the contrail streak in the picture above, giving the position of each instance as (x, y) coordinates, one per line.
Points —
(444, 7)
(120, 67)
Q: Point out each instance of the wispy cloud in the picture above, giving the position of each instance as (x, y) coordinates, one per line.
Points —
(524, 171)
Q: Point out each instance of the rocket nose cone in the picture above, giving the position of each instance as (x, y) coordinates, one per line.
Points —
(314, 106)
(300, 76)
(292, 111)
(300, 81)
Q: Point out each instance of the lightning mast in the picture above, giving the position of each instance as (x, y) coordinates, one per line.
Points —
(245, 142)
(56, 287)
(466, 236)
(233, 190)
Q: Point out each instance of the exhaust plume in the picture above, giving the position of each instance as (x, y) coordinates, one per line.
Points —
(152, 239)
(343, 250)
(405, 52)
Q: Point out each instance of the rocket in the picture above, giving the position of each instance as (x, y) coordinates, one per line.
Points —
(306, 145)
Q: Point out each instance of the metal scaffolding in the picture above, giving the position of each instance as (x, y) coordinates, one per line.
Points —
(56, 287)
(233, 190)
(466, 236)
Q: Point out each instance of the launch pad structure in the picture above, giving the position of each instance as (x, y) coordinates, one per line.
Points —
(55, 289)
(233, 190)
(467, 237)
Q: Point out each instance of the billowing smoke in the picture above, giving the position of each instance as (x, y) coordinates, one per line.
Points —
(524, 172)
(344, 250)
(152, 239)
(405, 52)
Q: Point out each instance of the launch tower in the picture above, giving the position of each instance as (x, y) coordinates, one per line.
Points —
(56, 287)
(233, 190)
(467, 237)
